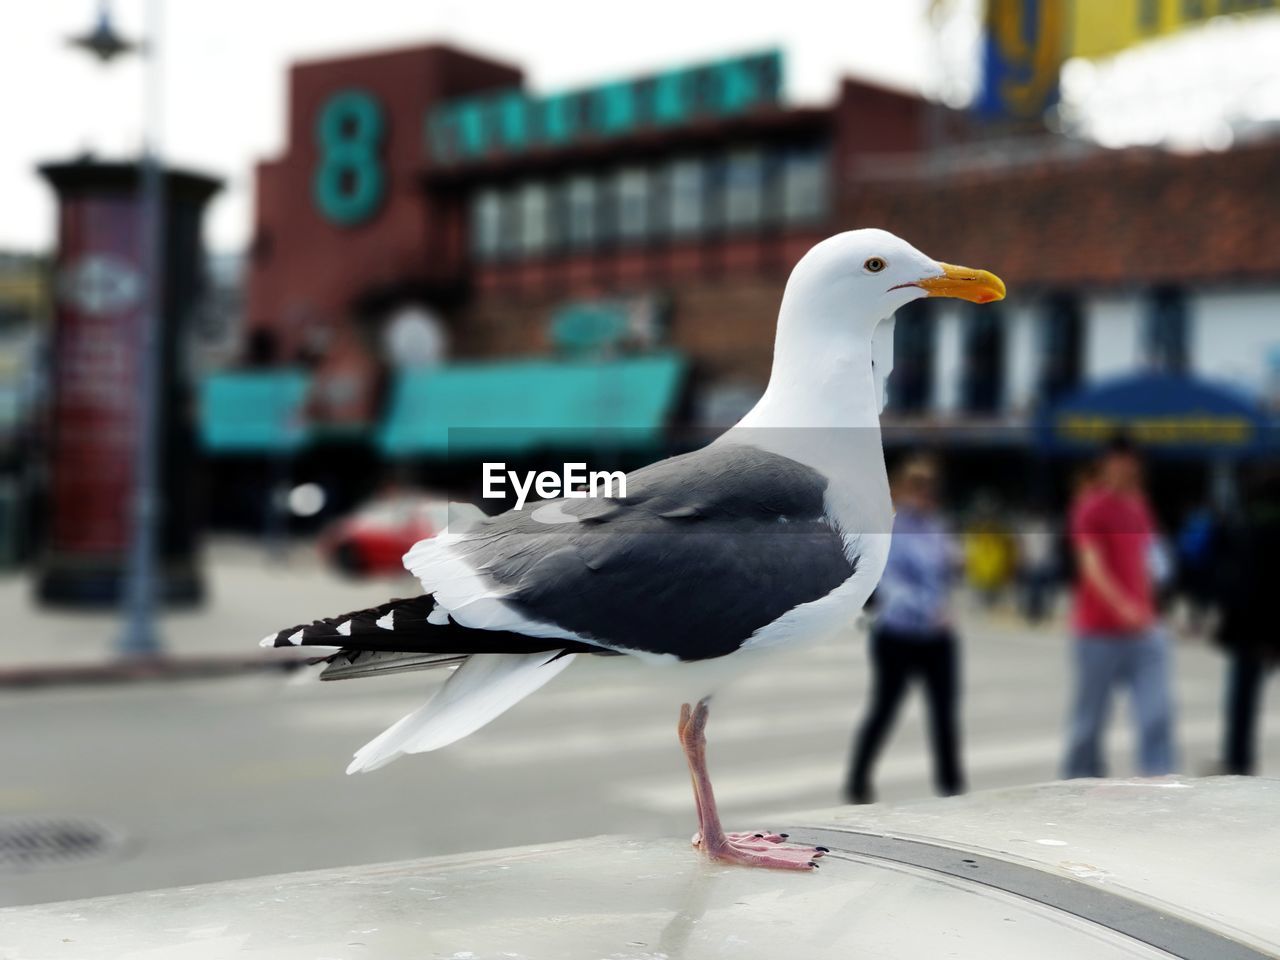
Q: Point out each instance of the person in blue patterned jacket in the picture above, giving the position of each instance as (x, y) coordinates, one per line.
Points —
(913, 636)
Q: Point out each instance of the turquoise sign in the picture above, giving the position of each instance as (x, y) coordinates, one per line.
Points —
(350, 181)
(589, 325)
(513, 121)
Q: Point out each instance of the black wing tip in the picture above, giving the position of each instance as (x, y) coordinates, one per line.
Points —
(410, 612)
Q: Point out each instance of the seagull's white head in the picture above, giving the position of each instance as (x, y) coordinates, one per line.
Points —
(850, 282)
(829, 360)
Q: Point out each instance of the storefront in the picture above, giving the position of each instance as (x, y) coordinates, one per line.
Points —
(1196, 433)
(430, 213)
(430, 179)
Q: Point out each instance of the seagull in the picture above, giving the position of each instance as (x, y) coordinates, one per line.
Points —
(770, 537)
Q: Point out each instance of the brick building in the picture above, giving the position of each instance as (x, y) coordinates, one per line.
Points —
(426, 189)
(680, 199)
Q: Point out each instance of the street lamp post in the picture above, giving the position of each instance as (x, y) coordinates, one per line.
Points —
(139, 637)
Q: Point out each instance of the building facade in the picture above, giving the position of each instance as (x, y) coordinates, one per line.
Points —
(1116, 261)
(678, 202)
(427, 192)
(24, 304)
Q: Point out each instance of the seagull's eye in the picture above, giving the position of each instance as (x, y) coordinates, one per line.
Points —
(874, 265)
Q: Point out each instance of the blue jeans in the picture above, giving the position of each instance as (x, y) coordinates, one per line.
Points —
(1142, 664)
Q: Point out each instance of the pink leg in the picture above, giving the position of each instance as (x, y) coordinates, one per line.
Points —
(748, 849)
(686, 713)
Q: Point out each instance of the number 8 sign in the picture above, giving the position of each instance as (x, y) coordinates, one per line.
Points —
(349, 181)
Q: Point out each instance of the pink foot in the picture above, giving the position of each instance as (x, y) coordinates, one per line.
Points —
(757, 837)
(761, 850)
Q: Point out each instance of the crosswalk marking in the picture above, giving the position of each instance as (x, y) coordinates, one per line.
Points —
(775, 786)
(589, 721)
(780, 736)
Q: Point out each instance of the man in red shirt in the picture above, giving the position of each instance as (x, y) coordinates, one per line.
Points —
(1118, 636)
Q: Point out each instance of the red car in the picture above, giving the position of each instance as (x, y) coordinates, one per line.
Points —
(371, 541)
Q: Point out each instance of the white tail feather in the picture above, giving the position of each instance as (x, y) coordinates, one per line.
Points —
(484, 687)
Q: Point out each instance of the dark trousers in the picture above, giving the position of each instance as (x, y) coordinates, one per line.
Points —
(1035, 594)
(1244, 702)
(895, 660)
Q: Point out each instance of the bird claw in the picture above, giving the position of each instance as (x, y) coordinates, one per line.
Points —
(757, 849)
(756, 836)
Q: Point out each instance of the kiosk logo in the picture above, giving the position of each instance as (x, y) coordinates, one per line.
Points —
(99, 285)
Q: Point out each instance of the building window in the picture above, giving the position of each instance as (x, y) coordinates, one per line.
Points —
(744, 189)
(633, 196)
(713, 178)
(535, 218)
(509, 233)
(911, 383)
(804, 185)
(486, 223)
(686, 197)
(1166, 331)
(582, 212)
(1061, 348)
(982, 384)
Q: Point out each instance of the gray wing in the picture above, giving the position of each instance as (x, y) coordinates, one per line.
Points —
(704, 550)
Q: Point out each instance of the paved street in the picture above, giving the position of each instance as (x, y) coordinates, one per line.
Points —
(205, 780)
(250, 592)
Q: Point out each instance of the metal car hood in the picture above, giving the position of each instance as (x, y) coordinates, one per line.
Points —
(1204, 848)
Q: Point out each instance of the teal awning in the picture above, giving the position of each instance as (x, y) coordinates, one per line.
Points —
(253, 412)
(531, 404)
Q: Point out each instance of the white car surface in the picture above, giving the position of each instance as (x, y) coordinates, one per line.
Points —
(1084, 870)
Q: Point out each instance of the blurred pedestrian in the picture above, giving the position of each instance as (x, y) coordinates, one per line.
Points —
(1197, 556)
(913, 635)
(1036, 553)
(1118, 638)
(1247, 629)
(990, 552)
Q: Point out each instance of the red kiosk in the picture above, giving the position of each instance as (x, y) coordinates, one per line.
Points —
(95, 417)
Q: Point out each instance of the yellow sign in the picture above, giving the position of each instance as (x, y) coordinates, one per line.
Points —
(1214, 429)
(1101, 27)
(1023, 54)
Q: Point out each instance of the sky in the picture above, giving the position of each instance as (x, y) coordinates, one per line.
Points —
(1203, 88)
(224, 64)
(224, 67)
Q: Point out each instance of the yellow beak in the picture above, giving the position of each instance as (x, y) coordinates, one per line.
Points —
(978, 286)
